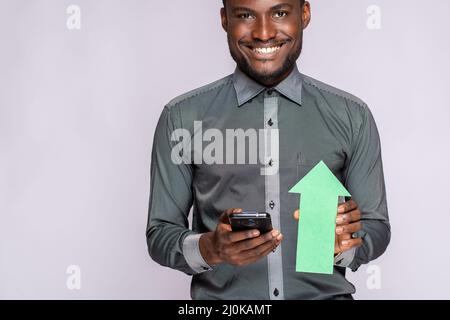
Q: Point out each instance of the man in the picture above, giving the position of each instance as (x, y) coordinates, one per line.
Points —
(313, 122)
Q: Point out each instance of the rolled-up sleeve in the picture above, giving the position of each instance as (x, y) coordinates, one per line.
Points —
(170, 200)
(364, 179)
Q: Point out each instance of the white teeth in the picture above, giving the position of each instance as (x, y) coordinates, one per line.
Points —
(267, 50)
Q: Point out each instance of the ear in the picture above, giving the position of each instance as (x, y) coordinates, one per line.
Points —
(223, 16)
(306, 14)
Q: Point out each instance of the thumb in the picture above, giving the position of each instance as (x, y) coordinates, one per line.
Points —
(224, 218)
(297, 214)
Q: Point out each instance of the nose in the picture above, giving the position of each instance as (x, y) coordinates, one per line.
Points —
(264, 29)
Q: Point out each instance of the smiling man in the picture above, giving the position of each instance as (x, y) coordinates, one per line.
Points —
(305, 121)
(265, 38)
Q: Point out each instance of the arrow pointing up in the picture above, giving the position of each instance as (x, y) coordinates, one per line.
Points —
(319, 191)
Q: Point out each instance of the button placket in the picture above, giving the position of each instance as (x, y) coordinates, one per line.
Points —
(272, 192)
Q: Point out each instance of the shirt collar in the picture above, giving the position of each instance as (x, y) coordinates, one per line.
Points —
(246, 88)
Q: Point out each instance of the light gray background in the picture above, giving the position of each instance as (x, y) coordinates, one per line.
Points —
(78, 110)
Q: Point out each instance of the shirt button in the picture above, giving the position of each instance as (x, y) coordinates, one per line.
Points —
(270, 92)
(272, 205)
(276, 292)
(270, 122)
(205, 268)
(271, 162)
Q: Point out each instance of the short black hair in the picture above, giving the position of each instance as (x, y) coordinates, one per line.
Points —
(301, 1)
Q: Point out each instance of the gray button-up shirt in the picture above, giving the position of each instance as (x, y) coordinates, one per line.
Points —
(302, 121)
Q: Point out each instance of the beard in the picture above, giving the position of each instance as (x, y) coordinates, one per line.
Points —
(265, 77)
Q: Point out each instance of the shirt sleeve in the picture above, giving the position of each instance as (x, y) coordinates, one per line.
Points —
(191, 251)
(170, 200)
(345, 258)
(364, 180)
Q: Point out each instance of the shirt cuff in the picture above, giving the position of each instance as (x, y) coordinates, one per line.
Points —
(344, 259)
(191, 252)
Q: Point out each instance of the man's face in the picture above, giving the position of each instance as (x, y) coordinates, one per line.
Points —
(265, 36)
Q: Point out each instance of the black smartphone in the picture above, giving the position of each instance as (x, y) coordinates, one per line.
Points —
(248, 220)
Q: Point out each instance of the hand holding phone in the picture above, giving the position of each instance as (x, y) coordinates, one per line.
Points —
(240, 238)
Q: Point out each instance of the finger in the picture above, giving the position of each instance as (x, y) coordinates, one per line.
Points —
(297, 214)
(224, 218)
(260, 252)
(349, 217)
(347, 206)
(237, 236)
(256, 242)
(351, 243)
(344, 236)
(338, 248)
(355, 215)
(224, 228)
(349, 228)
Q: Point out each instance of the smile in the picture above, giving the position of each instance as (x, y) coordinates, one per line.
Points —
(269, 50)
(265, 52)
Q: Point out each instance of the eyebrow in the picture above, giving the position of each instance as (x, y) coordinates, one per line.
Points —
(274, 8)
(281, 6)
(237, 9)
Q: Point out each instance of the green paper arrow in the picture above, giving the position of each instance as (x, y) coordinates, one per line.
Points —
(319, 190)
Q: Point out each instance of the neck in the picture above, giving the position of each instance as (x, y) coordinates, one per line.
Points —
(273, 82)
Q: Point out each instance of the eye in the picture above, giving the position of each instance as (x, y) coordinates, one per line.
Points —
(245, 16)
(280, 14)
